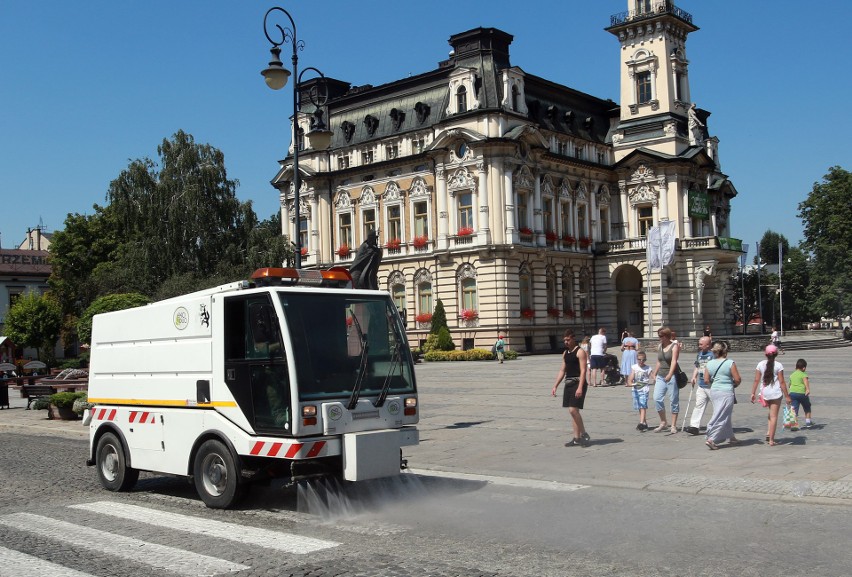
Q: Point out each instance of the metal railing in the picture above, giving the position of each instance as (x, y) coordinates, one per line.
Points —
(656, 10)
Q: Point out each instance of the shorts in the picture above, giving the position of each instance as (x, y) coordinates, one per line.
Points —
(598, 362)
(640, 398)
(800, 399)
(569, 393)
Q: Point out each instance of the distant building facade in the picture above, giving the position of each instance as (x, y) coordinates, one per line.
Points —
(522, 204)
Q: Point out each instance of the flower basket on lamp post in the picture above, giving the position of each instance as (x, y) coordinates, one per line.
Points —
(304, 251)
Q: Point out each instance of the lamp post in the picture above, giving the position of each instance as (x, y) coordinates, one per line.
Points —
(276, 78)
(759, 291)
(742, 285)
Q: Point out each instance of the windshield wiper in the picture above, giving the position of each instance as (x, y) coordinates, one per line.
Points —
(362, 366)
(395, 358)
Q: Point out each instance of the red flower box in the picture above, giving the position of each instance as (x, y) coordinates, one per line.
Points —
(420, 241)
(525, 230)
(569, 314)
(528, 313)
(568, 239)
(553, 313)
(585, 241)
(393, 243)
(551, 236)
(344, 250)
(465, 231)
(469, 314)
(304, 251)
(424, 318)
(589, 313)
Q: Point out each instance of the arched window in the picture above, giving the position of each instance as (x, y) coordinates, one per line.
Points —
(461, 100)
(424, 297)
(550, 288)
(525, 289)
(468, 294)
(398, 295)
(567, 293)
(300, 138)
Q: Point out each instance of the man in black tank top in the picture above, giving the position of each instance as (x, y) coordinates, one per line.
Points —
(573, 371)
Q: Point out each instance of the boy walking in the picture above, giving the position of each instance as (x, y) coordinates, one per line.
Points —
(639, 380)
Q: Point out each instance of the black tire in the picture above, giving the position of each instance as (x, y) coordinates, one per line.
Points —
(111, 462)
(217, 478)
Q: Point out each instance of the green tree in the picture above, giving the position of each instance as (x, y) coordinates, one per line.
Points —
(180, 215)
(34, 321)
(439, 318)
(769, 247)
(827, 233)
(106, 304)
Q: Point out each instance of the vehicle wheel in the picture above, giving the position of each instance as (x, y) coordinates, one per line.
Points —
(217, 478)
(113, 471)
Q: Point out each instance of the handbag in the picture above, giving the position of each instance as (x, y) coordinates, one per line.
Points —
(791, 421)
(680, 377)
(761, 400)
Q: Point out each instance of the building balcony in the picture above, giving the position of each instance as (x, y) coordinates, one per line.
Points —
(694, 243)
(658, 7)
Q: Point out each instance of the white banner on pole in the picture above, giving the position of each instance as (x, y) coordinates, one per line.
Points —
(653, 249)
(668, 241)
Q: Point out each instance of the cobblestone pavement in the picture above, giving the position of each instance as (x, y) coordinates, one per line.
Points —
(501, 420)
(496, 494)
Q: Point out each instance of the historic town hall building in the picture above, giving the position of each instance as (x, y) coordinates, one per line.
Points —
(522, 204)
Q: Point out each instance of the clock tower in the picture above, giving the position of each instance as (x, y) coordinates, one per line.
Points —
(657, 112)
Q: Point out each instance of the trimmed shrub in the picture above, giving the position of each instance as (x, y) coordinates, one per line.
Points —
(66, 399)
(469, 355)
(81, 404)
(439, 318)
(445, 340)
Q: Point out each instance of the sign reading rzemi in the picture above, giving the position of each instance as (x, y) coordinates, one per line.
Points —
(699, 204)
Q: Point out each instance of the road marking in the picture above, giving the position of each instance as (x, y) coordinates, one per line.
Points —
(159, 556)
(16, 564)
(244, 534)
(502, 481)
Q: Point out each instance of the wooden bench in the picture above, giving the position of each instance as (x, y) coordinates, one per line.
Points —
(33, 392)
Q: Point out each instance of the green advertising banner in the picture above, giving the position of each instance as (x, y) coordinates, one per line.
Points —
(699, 204)
(731, 244)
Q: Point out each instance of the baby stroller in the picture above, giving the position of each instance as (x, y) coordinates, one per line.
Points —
(612, 372)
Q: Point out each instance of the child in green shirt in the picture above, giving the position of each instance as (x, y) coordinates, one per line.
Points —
(800, 390)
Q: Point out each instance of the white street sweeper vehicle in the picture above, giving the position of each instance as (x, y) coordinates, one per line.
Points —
(292, 374)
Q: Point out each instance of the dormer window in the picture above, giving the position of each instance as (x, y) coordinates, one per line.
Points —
(461, 100)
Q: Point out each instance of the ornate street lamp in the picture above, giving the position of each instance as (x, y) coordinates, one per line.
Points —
(276, 76)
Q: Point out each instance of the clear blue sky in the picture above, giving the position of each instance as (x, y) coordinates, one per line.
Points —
(88, 86)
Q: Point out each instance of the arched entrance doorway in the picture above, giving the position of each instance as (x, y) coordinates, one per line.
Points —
(629, 300)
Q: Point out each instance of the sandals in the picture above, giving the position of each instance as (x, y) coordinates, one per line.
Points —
(711, 445)
(673, 430)
(661, 428)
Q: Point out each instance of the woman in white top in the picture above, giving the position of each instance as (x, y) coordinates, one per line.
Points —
(769, 374)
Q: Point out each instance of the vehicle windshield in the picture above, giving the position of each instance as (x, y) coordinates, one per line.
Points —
(329, 333)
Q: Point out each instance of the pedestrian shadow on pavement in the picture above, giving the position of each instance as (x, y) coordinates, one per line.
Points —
(465, 425)
(595, 442)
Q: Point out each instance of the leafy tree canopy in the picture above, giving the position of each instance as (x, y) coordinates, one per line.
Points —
(34, 321)
(106, 304)
(168, 227)
(827, 225)
(769, 247)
